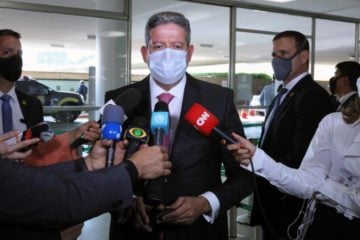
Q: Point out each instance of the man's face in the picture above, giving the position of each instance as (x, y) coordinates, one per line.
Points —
(285, 48)
(340, 82)
(9, 46)
(168, 35)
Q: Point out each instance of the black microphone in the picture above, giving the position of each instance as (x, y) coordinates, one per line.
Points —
(111, 129)
(160, 126)
(128, 100)
(136, 134)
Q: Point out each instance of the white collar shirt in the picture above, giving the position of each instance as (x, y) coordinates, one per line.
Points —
(327, 167)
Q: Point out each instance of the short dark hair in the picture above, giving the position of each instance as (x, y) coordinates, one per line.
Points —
(164, 18)
(9, 32)
(351, 69)
(301, 42)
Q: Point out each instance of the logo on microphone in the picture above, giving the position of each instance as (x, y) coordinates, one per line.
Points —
(202, 119)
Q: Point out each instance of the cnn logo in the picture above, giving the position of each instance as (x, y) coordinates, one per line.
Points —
(202, 119)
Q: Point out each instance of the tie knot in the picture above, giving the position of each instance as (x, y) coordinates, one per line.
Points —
(5, 98)
(165, 97)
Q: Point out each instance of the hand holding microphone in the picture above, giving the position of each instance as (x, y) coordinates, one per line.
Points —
(128, 100)
(243, 150)
(111, 129)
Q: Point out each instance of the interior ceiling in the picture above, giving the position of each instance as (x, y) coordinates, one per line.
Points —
(209, 28)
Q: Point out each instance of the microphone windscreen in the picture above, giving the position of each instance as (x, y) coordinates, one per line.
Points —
(201, 119)
(161, 107)
(113, 113)
(141, 122)
(128, 99)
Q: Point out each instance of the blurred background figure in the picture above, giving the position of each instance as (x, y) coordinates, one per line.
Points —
(82, 89)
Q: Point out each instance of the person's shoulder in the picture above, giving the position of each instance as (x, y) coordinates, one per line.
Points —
(207, 86)
(111, 94)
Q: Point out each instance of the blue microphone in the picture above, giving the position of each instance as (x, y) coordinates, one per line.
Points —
(111, 129)
(160, 126)
(160, 122)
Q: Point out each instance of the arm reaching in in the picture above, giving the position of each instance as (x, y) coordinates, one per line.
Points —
(243, 150)
(10, 151)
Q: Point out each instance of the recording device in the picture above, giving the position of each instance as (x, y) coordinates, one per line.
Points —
(128, 100)
(160, 122)
(136, 134)
(160, 126)
(205, 122)
(40, 130)
(111, 129)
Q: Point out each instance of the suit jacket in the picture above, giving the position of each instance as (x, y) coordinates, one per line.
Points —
(51, 198)
(286, 141)
(31, 108)
(196, 159)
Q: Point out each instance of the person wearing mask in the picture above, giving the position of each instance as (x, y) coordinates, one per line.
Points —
(292, 119)
(194, 192)
(343, 83)
(329, 175)
(21, 111)
(48, 199)
(24, 111)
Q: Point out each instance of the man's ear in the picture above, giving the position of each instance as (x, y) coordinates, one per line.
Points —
(304, 56)
(190, 52)
(144, 53)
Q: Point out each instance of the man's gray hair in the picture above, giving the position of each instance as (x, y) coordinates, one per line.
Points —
(164, 18)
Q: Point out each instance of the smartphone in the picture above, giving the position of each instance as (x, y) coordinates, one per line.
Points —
(40, 130)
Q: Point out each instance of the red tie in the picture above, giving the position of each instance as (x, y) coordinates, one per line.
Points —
(166, 98)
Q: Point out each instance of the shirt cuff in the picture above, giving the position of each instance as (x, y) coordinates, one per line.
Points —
(214, 204)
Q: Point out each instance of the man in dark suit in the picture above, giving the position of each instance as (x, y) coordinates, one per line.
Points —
(288, 129)
(194, 191)
(26, 111)
(344, 82)
(50, 198)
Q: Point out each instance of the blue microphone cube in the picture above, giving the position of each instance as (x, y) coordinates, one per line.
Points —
(111, 131)
(160, 120)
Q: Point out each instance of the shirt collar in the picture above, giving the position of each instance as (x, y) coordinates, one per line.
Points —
(11, 93)
(291, 84)
(177, 91)
(346, 97)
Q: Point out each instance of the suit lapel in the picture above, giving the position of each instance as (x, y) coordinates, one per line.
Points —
(184, 130)
(25, 108)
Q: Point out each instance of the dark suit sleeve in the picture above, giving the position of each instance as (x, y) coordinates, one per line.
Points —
(238, 184)
(57, 195)
(309, 110)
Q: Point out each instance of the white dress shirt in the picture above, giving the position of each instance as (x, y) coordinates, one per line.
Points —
(175, 111)
(331, 167)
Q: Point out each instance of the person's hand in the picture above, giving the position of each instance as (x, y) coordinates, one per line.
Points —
(89, 131)
(151, 162)
(141, 219)
(10, 151)
(72, 232)
(186, 210)
(243, 150)
(97, 157)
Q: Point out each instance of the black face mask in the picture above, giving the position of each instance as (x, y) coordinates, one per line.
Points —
(11, 67)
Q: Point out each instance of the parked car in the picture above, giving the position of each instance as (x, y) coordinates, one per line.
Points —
(51, 97)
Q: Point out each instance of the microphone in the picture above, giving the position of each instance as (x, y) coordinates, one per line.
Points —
(128, 100)
(160, 122)
(205, 122)
(111, 129)
(136, 134)
(160, 126)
